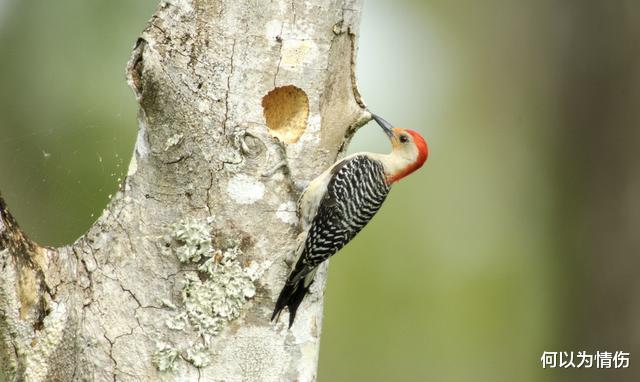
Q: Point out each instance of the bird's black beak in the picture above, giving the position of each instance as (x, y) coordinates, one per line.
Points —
(386, 126)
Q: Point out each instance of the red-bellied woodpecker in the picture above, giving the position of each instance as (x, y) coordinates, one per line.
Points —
(336, 205)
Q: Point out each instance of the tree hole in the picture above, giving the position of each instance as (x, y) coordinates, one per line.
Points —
(286, 110)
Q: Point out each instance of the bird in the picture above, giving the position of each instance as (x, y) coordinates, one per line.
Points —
(336, 205)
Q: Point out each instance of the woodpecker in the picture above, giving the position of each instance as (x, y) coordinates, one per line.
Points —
(336, 205)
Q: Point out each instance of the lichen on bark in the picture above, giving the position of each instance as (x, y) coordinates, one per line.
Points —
(98, 309)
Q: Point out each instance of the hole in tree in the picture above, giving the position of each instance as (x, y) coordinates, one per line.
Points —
(286, 110)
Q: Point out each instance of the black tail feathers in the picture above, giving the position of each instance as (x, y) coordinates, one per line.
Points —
(291, 296)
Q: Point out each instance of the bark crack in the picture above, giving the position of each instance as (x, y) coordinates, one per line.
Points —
(228, 90)
(115, 363)
(208, 193)
(178, 160)
(280, 40)
(132, 295)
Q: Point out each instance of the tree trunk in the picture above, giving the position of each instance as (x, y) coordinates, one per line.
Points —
(240, 103)
(597, 172)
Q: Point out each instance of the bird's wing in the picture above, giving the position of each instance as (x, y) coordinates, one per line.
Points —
(356, 191)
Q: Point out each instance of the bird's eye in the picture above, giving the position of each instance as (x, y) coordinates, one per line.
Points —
(404, 138)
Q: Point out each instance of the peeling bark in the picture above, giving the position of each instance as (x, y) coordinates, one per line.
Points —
(209, 197)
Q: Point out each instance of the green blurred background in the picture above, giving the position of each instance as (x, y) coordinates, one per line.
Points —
(521, 234)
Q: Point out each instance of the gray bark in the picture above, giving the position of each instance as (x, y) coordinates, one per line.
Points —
(240, 101)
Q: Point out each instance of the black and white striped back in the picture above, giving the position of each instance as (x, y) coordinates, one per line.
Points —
(357, 189)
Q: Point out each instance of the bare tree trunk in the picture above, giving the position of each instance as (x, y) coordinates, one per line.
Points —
(598, 170)
(240, 102)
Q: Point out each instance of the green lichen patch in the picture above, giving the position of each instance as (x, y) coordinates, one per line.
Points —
(209, 303)
(192, 240)
(198, 356)
(165, 357)
(177, 322)
(212, 294)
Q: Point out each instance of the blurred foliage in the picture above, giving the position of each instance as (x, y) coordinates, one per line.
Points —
(67, 116)
(474, 266)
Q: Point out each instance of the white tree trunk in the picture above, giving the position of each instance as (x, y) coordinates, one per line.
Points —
(178, 277)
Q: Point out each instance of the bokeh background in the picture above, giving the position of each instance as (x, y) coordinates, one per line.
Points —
(521, 234)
